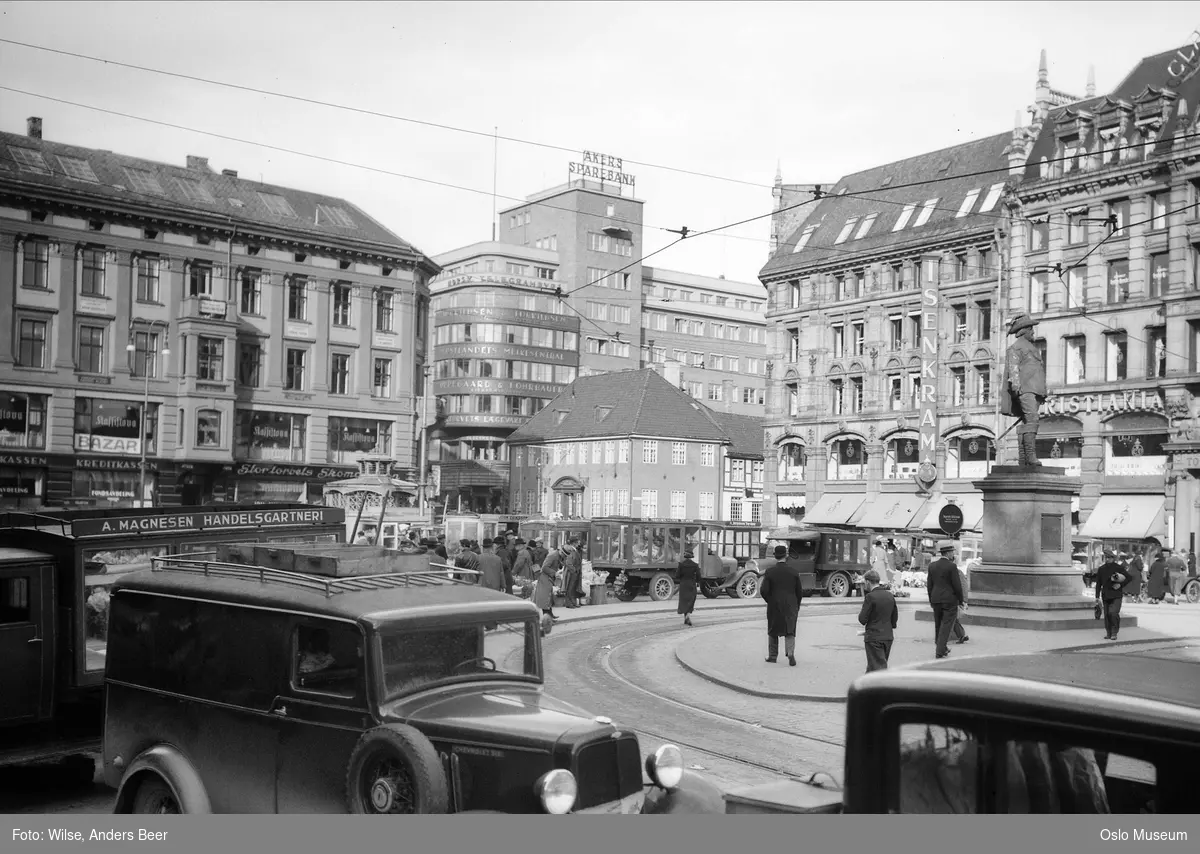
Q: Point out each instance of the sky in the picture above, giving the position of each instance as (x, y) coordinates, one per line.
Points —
(701, 100)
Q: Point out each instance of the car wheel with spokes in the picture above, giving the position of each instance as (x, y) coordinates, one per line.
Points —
(838, 585)
(746, 587)
(662, 586)
(395, 770)
(154, 797)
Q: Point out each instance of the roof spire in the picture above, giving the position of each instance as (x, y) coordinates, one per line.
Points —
(778, 172)
(1091, 81)
(1043, 71)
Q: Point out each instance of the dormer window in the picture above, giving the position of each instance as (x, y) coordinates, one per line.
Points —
(926, 211)
(602, 412)
(846, 229)
(804, 236)
(560, 415)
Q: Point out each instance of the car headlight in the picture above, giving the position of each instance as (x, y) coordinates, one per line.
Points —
(557, 790)
(665, 766)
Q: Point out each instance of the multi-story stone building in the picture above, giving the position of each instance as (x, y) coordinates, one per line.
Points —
(234, 340)
(883, 317)
(562, 293)
(631, 443)
(1104, 254)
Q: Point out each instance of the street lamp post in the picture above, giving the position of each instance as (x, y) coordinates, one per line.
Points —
(131, 347)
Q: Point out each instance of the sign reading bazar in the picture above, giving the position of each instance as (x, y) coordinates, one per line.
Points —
(927, 384)
(216, 519)
(602, 168)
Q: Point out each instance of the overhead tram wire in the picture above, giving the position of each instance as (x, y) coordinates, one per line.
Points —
(366, 112)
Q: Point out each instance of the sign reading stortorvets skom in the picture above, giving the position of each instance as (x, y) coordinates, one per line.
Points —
(215, 519)
(603, 168)
(950, 519)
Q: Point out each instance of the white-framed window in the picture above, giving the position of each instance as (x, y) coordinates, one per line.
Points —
(678, 504)
(623, 450)
(622, 502)
(598, 502)
(708, 456)
(707, 505)
(598, 452)
(993, 196)
(1116, 362)
(609, 502)
(1075, 362)
(583, 453)
(678, 453)
(649, 503)
(649, 451)
(610, 453)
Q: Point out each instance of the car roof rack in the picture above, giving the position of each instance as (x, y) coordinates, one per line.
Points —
(445, 574)
(38, 521)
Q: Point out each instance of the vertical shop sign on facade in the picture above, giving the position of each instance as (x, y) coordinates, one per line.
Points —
(927, 471)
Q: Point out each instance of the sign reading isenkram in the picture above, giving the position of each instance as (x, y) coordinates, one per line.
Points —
(927, 387)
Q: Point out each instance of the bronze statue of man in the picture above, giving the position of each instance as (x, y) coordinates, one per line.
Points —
(1024, 387)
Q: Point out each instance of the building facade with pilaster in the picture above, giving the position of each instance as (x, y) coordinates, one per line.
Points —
(244, 342)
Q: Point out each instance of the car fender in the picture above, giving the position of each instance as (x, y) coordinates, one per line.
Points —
(174, 769)
(694, 795)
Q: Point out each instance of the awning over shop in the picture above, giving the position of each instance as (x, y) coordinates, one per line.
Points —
(972, 508)
(790, 502)
(834, 508)
(1126, 517)
(891, 512)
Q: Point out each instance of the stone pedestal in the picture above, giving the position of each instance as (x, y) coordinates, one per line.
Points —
(1027, 580)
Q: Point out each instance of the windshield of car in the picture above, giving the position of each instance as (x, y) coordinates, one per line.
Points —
(416, 658)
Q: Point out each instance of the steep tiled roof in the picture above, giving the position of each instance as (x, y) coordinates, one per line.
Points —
(745, 431)
(1147, 76)
(639, 403)
(953, 172)
(106, 177)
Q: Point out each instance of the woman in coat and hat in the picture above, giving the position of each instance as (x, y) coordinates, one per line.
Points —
(783, 591)
(689, 578)
(543, 590)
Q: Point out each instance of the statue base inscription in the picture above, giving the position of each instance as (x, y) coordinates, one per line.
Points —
(1027, 579)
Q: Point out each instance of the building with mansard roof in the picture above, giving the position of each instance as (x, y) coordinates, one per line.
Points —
(240, 340)
(1105, 254)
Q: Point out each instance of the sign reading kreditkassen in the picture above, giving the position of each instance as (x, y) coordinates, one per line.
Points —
(602, 167)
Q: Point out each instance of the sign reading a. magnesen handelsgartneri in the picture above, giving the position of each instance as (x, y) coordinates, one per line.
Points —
(927, 387)
(221, 519)
(603, 168)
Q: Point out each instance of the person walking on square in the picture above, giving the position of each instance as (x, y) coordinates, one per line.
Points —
(491, 568)
(782, 590)
(879, 614)
(1157, 580)
(689, 578)
(960, 634)
(1177, 571)
(944, 586)
(1111, 579)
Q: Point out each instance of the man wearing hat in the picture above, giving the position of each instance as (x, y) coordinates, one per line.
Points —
(879, 615)
(491, 568)
(944, 586)
(782, 589)
(1111, 579)
(1024, 388)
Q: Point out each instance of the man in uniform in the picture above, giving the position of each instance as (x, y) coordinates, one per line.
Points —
(782, 589)
(1024, 388)
(944, 586)
(1111, 579)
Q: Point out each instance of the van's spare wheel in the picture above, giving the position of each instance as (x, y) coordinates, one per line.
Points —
(394, 769)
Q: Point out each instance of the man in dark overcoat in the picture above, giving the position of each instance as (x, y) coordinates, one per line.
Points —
(688, 573)
(944, 585)
(879, 616)
(782, 589)
(1111, 579)
(1024, 387)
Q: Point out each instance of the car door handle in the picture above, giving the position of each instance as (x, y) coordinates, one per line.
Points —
(34, 640)
(281, 711)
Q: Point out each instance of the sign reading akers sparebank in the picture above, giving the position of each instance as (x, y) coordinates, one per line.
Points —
(216, 519)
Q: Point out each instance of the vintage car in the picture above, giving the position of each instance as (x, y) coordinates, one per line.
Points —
(829, 562)
(238, 688)
(1083, 731)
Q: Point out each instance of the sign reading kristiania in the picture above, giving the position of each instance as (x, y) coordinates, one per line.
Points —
(602, 167)
(1184, 61)
(927, 385)
(202, 521)
(1117, 401)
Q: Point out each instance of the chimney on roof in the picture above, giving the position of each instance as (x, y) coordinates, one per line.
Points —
(727, 394)
(229, 173)
(672, 372)
(33, 127)
(198, 163)
(1091, 83)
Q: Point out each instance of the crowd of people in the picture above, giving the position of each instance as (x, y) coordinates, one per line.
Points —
(1157, 574)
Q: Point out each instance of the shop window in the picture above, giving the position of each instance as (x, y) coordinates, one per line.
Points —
(969, 456)
(1065, 452)
(264, 435)
(902, 459)
(22, 487)
(107, 426)
(847, 460)
(208, 428)
(1133, 446)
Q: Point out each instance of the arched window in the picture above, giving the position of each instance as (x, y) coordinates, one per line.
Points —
(792, 461)
(902, 457)
(1133, 445)
(969, 455)
(847, 460)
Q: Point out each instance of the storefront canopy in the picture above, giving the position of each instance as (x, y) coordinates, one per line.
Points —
(790, 502)
(891, 512)
(834, 508)
(1126, 517)
(972, 508)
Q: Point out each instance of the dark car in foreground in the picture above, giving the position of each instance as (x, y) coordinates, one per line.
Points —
(246, 689)
(1087, 731)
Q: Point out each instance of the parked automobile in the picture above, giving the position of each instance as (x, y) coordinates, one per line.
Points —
(829, 562)
(236, 688)
(1096, 732)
